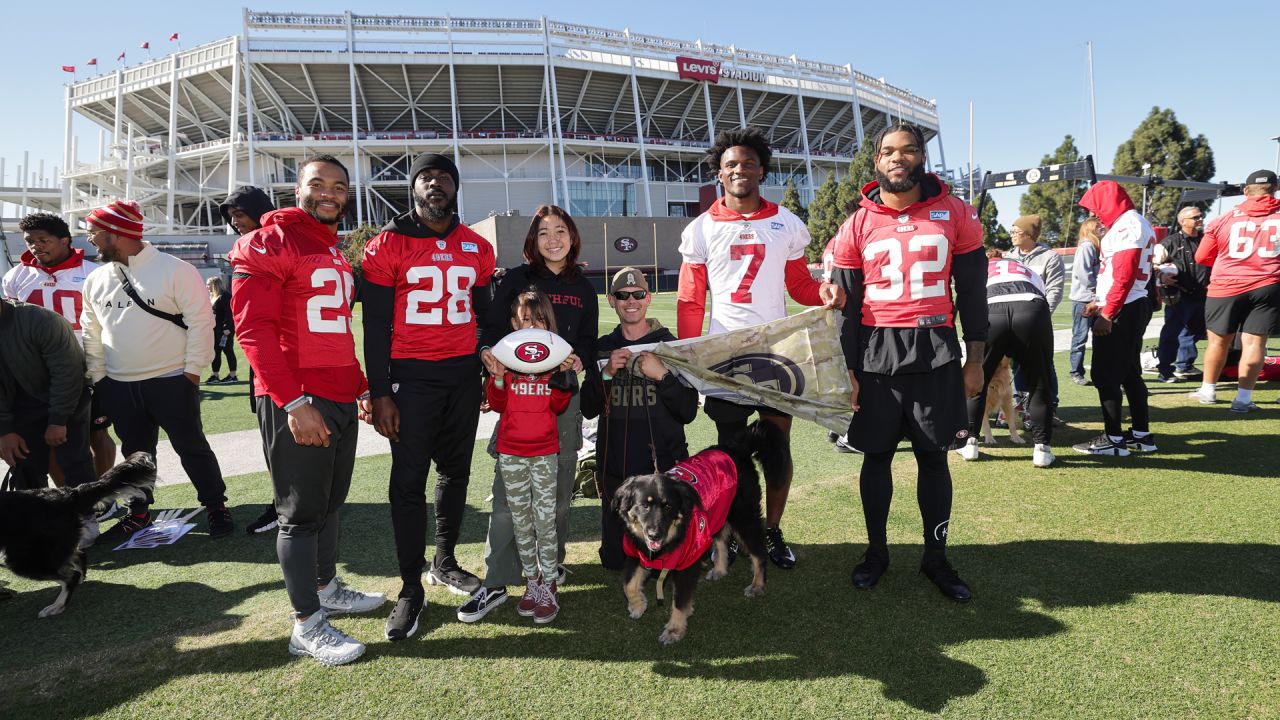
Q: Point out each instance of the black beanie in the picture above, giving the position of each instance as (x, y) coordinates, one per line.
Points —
(427, 161)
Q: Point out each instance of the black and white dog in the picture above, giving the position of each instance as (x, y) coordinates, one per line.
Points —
(41, 530)
(672, 519)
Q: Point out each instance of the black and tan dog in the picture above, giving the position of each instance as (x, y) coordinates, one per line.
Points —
(41, 530)
(672, 519)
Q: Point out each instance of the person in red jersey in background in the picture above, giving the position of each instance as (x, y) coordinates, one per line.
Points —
(1243, 248)
(291, 297)
(426, 280)
(1121, 313)
(897, 258)
(748, 253)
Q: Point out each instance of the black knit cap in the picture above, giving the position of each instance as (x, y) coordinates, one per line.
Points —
(428, 161)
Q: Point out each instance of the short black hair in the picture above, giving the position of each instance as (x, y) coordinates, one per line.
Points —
(324, 158)
(48, 222)
(749, 136)
(897, 127)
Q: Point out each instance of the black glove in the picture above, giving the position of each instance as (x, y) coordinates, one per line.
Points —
(566, 381)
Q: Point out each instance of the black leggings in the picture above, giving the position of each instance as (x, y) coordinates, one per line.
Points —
(224, 347)
(933, 493)
(1117, 367)
(1024, 332)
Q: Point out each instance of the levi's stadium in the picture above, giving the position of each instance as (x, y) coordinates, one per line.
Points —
(610, 124)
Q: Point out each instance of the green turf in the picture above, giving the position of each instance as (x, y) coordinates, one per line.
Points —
(1134, 587)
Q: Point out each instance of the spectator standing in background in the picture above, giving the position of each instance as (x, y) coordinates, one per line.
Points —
(1084, 283)
(224, 329)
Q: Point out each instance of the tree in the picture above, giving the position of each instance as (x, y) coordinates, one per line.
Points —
(353, 248)
(834, 201)
(791, 201)
(1057, 203)
(993, 233)
(1172, 153)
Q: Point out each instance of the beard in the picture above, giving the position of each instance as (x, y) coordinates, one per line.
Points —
(912, 179)
(431, 213)
(312, 208)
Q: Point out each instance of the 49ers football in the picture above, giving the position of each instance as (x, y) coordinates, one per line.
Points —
(532, 351)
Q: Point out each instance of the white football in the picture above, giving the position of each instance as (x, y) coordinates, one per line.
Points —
(532, 351)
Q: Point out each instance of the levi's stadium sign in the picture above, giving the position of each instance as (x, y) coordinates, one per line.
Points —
(697, 69)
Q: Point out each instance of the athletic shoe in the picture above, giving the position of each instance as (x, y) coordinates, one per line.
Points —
(1190, 373)
(532, 596)
(940, 573)
(779, 553)
(1103, 445)
(562, 574)
(1042, 456)
(1243, 407)
(969, 451)
(549, 607)
(338, 599)
(213, 380)
(874, 562)
(220, 522)
(453, 578)
(128, 525)
(266, 522)
(230, 379)
(484, 600)
(842, 446)
(1162, 378)
(402, 623)
(1079, 379)
(1147, 443)
(316, 638)
(1195, 395)
(109, 512)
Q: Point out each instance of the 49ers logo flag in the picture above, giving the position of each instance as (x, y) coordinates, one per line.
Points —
(794, 365)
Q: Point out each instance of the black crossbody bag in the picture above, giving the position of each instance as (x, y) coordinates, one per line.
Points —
(139, 302)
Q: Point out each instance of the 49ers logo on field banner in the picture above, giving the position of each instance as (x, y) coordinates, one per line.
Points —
(532, 352)
(764, 369)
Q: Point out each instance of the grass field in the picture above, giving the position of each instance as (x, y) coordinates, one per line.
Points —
(1146, 586)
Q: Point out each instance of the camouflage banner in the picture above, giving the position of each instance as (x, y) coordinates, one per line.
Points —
(794, 365)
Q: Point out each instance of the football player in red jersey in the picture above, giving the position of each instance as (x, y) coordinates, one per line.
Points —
(426, 278)
(1243, 248)
(749, 254)
(897, 258)
(291, 299)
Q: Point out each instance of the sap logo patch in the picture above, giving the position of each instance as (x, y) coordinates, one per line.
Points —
(775, 225)
(470, 247)
(939, 214)
(77, 278)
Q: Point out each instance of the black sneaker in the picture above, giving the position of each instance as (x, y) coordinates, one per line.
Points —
(484, 600)
(874, 562)
(128, 525)
(779, 553)
(266, 522)
(1191, 373)
(220, 522)
(402, 623)
(1103, 445)
(1146, 443)
(213, 380)
(939, 571)
(453, 578)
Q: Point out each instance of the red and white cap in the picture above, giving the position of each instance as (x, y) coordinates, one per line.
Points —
(122, 217)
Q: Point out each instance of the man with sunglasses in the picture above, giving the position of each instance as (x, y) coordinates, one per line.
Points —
(1183, 292)
(639, 402)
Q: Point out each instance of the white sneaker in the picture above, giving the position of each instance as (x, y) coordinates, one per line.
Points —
(338, 599)
(316, 638)
(1042, 456)
(969, 451)
(1204, 399)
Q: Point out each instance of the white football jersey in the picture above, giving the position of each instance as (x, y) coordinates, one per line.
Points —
(57, 289)
(1130, 232)
(746, 260)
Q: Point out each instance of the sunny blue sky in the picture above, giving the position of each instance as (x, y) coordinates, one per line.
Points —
(1022, 64)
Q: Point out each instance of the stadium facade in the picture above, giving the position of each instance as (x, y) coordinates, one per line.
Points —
(604, 122)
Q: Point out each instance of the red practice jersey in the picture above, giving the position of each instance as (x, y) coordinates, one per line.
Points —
(905, 257)
(291, 298)
(433, 280)
(1243, 247)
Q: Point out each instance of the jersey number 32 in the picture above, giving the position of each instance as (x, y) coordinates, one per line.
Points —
(913, 273)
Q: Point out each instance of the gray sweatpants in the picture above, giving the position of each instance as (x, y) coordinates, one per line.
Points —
(311, 484)
(501, 557)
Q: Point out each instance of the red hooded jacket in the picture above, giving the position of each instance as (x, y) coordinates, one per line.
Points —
(529, 406)
(1124, 263)
(715, 478)
(1243, 247)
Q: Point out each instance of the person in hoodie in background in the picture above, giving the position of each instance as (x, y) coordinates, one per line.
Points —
(1028, 250)
(243, 210)
(1243, 248)
(1120, 316)
(1084, 283)
(640, 400)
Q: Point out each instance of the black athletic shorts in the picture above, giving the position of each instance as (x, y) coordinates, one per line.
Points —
(1256, 312)
(98, 419)
(724, 411)
(926, 408)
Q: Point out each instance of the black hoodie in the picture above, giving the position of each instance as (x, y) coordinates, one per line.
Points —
(573, 300)
(250, 200)
(635, 401)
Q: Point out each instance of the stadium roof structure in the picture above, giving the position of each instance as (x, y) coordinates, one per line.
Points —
(598, 120)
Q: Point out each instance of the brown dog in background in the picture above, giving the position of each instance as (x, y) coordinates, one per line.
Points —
(1000, 397)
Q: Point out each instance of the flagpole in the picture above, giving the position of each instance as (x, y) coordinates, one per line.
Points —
(1093, 105)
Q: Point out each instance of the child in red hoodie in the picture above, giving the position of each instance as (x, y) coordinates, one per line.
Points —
(527, 447)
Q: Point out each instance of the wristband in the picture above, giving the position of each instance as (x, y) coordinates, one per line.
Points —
(365, 395)
(297, 403)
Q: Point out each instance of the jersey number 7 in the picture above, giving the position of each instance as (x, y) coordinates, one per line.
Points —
(751, 268)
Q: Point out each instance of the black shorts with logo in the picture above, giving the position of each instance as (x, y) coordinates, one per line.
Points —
(98, 419)
(926, 408)
(1256, 312)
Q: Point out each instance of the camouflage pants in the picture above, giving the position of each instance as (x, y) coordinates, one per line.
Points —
(530, 484)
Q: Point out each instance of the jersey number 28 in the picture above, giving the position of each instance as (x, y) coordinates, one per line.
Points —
(457, 280)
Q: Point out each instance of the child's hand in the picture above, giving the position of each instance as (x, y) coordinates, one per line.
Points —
(576, 363)
(491, 363)
(568, 363)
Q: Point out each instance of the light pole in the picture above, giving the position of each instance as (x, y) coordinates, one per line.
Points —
(1277, 140)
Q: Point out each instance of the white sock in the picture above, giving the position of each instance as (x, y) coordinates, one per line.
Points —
(1243, 395)
(1208, 389)
(1140, 434)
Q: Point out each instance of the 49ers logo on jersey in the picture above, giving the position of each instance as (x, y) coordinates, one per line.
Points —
(682, 474)
(532, 352)
(765, 370)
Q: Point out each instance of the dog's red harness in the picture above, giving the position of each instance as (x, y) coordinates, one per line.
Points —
(715, 478)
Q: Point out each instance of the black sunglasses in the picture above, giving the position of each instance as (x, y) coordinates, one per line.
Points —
(633, 294)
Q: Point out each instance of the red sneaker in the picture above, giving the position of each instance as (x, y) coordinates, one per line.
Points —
(532, 596)
(549, 607)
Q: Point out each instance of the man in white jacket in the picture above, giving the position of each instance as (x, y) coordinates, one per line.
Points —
(148, 334)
